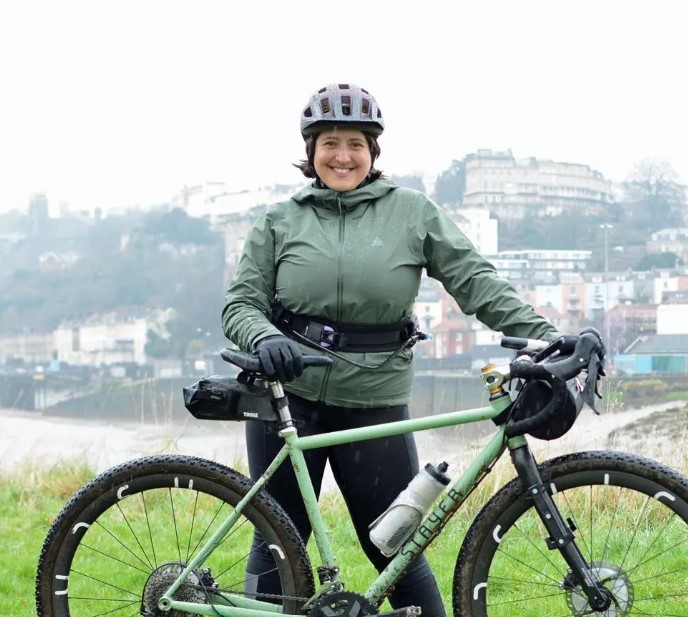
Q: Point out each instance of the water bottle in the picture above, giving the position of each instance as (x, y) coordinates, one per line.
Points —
(398, 522)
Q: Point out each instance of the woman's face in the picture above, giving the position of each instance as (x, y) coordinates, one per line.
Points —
(342, 158)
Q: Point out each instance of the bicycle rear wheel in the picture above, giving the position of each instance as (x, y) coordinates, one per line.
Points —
(124, 537)
(630, 516)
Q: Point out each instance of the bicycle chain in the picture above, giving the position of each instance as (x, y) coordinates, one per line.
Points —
(273, 596)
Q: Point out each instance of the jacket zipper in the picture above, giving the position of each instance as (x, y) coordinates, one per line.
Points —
(340, 259)
(340, 286)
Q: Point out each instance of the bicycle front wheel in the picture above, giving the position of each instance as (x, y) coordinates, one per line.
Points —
(124, 538)
(630, 516)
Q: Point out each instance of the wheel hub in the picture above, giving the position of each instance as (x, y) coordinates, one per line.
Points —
(617, 583)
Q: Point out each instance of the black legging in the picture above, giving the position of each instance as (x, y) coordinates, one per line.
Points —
(370, 474)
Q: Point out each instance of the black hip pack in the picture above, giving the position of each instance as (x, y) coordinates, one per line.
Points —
(358, 338)
(227, 398)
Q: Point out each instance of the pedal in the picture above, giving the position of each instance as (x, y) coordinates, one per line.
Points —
(407, 611)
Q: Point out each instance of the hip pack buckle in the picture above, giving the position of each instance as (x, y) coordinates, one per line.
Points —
(326, 336)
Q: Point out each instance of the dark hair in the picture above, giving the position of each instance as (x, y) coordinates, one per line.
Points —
(308, 168)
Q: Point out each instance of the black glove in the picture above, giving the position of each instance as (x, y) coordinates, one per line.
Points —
(280, 358)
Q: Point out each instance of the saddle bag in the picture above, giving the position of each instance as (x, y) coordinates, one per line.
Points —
(228, 398)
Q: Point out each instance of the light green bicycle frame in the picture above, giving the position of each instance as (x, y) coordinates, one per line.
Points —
(228, 605)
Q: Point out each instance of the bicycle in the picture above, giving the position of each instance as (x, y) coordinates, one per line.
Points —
(588, 533)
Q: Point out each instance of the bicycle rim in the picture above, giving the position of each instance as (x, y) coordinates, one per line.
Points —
(123, 539)
(631, 524)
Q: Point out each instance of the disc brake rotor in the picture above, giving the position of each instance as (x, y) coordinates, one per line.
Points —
(617, 583)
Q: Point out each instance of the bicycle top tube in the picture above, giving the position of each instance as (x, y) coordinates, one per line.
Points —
(452, 418)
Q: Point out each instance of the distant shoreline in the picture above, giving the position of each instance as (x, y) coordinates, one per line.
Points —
(30, 440)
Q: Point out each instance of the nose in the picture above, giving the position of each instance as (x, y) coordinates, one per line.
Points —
(342, 154)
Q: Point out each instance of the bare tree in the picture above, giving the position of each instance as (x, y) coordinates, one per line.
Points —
(655, 194)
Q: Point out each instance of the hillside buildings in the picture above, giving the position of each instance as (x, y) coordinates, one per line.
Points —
(627, 306)
(510, 188)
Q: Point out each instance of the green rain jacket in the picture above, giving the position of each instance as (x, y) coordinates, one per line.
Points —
(357, 257)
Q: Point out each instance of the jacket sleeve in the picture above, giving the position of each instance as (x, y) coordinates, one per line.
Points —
(250, 296)
(473, 281)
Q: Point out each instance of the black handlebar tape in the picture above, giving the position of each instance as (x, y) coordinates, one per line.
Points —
(249, 362)
(568, 368)
(527, 425)
(528, 370)
(514, 342)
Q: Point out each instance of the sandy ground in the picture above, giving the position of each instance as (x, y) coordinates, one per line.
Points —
(30, 439)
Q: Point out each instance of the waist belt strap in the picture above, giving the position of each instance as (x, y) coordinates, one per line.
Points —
(343, 336)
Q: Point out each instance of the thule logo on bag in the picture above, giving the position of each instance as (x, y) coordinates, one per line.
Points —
(377, 242)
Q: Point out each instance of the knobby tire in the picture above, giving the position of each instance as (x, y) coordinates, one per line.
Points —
(152, 514)
(631, 525)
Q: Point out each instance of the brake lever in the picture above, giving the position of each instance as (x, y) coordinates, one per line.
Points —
(588, 354)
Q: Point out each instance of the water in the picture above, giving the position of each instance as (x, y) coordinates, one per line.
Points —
(30, 439)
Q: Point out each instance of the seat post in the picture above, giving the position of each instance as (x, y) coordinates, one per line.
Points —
(280, 398)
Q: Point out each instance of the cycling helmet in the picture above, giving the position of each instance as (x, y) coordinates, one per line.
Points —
(341, 104)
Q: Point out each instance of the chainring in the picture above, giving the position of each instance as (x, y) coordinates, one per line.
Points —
(342, 604)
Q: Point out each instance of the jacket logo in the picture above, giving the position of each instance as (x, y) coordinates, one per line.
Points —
(377, 242)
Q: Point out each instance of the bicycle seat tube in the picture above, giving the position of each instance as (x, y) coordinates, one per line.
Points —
(289, 433)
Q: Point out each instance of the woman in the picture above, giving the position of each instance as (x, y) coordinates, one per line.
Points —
(337, 268)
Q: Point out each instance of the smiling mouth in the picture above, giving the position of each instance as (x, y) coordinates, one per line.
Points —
(341, 170)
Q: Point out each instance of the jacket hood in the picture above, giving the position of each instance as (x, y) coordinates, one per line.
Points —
(347, 200)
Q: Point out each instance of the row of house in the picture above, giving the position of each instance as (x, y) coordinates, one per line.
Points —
(631, 309)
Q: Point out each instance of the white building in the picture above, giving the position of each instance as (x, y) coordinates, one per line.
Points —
(103, 340)
(32, 348)
(664, 282)
(478, 227)
(550, 295)
(672, 319)
(547, 262)
(512, 187)
(673, 240)
(215, 201)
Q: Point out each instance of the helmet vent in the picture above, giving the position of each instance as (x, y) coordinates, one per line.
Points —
(345, 104)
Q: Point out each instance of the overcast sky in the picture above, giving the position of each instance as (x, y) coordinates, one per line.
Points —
(109, 103)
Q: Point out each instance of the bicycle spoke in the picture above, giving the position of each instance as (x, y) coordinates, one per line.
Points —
(150, 531)
(193, 522)
(115, 552)
(629, 522)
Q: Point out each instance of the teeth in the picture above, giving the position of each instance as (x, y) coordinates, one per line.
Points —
(341, 170)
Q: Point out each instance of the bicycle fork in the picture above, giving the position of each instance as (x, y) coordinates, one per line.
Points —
(561, 534)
